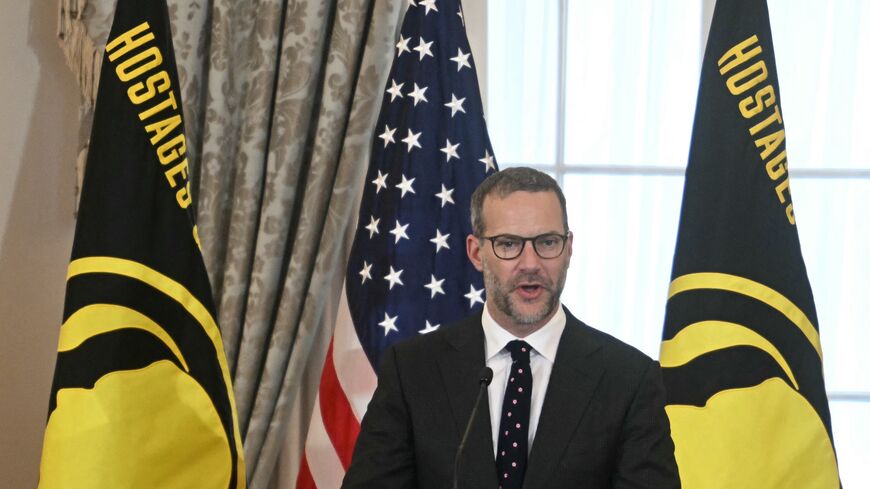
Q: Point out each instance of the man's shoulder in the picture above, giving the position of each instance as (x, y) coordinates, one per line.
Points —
(611, 348)
(457, 332)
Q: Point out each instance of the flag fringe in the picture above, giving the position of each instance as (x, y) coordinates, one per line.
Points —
(82, 55)
(84, 58)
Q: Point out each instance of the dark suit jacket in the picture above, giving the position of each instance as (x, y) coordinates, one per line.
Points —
(602, 425)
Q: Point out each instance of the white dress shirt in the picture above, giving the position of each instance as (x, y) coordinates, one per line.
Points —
(544, 343)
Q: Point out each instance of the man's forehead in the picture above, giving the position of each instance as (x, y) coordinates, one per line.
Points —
(541, 209)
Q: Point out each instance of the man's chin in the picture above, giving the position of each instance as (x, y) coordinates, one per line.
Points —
(532, 316)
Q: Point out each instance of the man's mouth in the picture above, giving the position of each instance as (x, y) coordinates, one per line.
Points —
(529, 291)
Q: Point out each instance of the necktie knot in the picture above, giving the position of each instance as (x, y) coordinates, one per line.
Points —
(520, 351)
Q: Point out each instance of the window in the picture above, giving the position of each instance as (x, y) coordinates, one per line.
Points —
(602, 96)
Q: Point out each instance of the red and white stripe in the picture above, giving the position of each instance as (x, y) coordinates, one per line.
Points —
(346, 386)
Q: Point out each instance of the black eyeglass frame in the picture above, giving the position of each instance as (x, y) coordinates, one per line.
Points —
(523, 240)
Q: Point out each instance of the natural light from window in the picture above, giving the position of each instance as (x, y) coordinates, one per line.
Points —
(602, 96)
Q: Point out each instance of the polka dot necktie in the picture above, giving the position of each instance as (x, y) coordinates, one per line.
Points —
(513, 435)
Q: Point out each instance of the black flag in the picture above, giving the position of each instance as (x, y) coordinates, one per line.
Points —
(741, 353)
(142, 396)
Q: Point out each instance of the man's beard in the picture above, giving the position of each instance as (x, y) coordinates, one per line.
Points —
(503, 301)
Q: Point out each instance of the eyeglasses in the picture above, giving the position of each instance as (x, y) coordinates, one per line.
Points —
(510, 247)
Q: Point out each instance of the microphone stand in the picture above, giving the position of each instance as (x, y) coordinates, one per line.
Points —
(485, 379)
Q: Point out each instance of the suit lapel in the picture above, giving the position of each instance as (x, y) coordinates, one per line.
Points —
(460, 367)
(572, 384)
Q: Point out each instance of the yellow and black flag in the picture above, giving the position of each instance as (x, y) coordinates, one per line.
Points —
(141, 395)
(741, 355)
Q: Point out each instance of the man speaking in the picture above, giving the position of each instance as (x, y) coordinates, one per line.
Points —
(568, 406)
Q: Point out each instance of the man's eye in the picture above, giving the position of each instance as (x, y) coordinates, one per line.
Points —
(507, 244)
(548, 242)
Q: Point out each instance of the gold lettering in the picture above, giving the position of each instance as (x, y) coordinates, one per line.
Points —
(143, 92)
(173, 172)
(764, 97)
(743, 80)
(136, 59)
(149, 59)
(183, 199)
(163, 127)
(777, 166)
(129, 41)
(775, 116)
(770, 142)
(789, 213)
(781, 188)
(739, 54)
(169, 102)
(177, 145)
(758, 69)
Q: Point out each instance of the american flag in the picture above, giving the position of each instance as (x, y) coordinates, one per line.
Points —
(408, 273)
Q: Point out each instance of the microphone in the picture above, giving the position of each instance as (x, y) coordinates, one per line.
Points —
(485, 378)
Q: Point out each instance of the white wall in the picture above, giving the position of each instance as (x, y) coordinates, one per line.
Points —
(475, 28)
(38, 132)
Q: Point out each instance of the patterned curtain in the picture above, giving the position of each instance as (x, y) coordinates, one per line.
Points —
(280, 99)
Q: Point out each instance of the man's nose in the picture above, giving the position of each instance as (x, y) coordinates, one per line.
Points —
(529, 259)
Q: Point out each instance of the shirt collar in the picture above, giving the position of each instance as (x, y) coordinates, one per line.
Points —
(544, 341)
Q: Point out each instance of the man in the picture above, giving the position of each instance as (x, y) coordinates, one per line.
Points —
(589, 414)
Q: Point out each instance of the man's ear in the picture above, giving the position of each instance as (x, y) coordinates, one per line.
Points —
(472, 248)
(570, 245)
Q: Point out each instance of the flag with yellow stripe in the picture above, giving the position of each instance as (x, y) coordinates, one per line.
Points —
(741, 356)
(141, 396)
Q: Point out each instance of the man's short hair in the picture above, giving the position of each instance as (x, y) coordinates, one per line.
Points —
(505, 182)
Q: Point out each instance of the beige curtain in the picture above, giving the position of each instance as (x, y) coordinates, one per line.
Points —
(280, 100)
